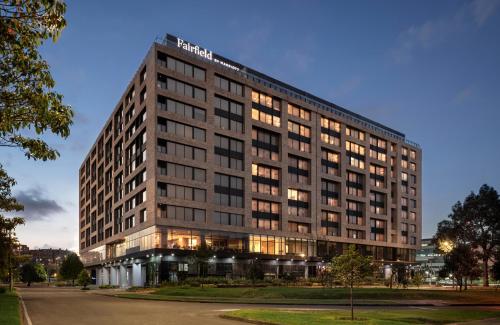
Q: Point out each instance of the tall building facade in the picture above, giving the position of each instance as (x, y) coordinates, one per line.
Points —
(204, 154)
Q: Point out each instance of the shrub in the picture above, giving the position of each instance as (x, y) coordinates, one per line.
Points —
(3, 290)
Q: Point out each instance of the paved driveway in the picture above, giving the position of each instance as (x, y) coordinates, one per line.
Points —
(53, 306)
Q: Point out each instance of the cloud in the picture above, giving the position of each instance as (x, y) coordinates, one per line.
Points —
(36, 205)
(484, 9)
(434, 32)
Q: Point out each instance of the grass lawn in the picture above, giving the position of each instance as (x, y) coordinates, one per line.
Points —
(9, 309)
(292, 317)
(320, 295)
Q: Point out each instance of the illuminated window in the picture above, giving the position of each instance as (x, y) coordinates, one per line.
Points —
(298, 203)
(378, 148)
(330, 131)
(265, 179)
(355, 184)
(330, 193)
(330, 162)
(265, 214)
(355, 133)
(377, 202)
(355, 154)
(354, 213)
(377, 229)
(266, 109)
(377, 176)
(330, 223)
(299, 112)
(299, 137)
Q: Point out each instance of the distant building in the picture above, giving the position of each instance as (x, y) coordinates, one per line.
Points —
(430, 259)
(49, 257)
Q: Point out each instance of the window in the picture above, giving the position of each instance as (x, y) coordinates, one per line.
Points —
(181, 150)
(330, 223)
(299, 112)
(181, 88)
(377, 176)
(135, 200)
(182, 109)
(180, 192)
(377, 202)
(413, 166)
(181, 67)
(181, 213)
(354, 213)
(330, 162)
(300, 227)
(228, 152)
(298, 203)
(413, 240)
(355, 133)
(228, 190)
(298, 170)
(118, 184)
(181, 171)
(355, 234)
(143, 216)
(129, 222)
(377, 229)
(265, 179)
(378, 148)
(413, 179)
(330, 131)
(413, 228)
(143, 76)
(299, 137)
(413, 154)
(137, 180)
(330, 193)
(228, 85)
(265, 144)
(135, 125)
(265, 214)
(135, 154)
(181, 129)
(355, 184)
(355, 154)
(266, 109)
(228, 114)
(230, 219)
(413, 216)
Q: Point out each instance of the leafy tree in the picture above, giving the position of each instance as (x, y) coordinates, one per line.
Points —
(474, 222)
(84, 278)
(27, 101)
(418, 278)
(28, 104)
(71, 267)
(351, 268)
(33, 272)
(462, 263)
(495, 269)
(8, 240)
(326, 276)
(255, 271)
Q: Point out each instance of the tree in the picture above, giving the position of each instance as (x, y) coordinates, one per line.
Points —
(84, 278)
(475, 222)
(351, 268)
(462, 263)
(33, 272)
(418, 278)
(27, 100)
(28, 104)
(495, 269)
(71, 267)
(255, 271)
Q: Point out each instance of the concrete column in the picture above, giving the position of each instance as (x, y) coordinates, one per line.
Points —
(115, 275)
(123, 276)
(306, 272)
(137, 275)
(105, 276)
(143, 275)
(98, 275)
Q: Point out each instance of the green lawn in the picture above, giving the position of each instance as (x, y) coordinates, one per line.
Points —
(477, 296)
(315, 295)
(375, 317)
(9, 309)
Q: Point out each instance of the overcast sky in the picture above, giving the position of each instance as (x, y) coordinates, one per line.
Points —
(429, 69)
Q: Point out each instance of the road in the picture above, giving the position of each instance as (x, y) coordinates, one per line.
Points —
(54, 306)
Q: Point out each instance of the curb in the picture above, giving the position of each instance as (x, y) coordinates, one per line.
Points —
(25, 318)
(249, 321)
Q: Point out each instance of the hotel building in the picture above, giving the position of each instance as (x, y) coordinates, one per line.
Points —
(202, 154)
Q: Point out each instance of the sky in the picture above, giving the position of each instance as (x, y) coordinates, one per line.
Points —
(429, 69)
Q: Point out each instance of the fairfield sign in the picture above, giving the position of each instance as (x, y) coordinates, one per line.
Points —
(204, 53)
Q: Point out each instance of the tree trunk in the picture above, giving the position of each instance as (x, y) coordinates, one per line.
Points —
(352, 305)
(486, 280)
(11, 275)
(465, 288)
